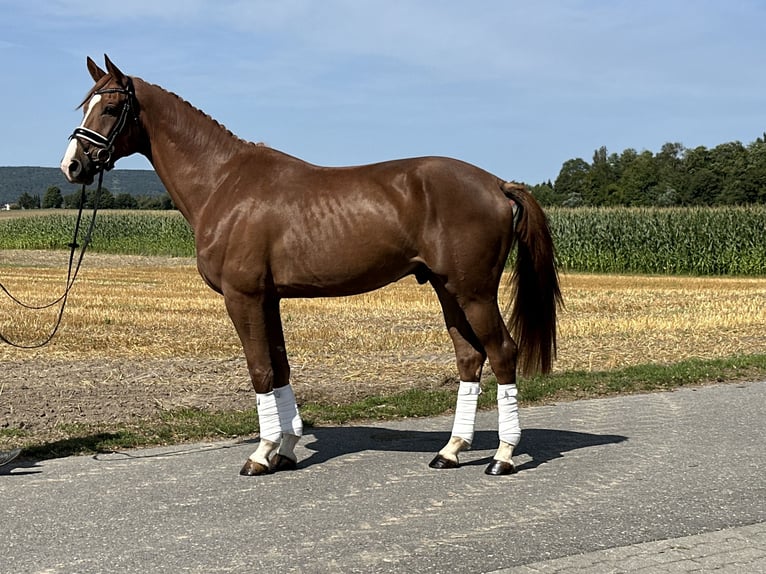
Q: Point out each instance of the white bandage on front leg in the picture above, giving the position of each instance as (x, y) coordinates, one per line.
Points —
(508, 427)
(289, 418)
(465, 410)
(289, 421)
(270, 430)
(268, 416)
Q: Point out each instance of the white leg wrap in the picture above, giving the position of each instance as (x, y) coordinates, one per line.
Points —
(465, 411)
(508, 427)
(268, 416)
(289, 419)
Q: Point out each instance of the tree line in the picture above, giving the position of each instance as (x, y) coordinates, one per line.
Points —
(54, 199)
(728, 174)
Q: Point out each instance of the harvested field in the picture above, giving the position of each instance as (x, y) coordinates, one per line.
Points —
(144, 335)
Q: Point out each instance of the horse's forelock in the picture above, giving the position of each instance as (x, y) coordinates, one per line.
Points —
(100, 84)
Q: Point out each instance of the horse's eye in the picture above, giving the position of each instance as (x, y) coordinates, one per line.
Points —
(110, 110)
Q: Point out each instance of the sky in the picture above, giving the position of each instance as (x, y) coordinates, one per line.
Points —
(515, 87)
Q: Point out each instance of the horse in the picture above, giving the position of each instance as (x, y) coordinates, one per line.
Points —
(269, 226)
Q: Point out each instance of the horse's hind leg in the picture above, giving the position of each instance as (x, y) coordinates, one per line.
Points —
(487, 322)
(470, 357)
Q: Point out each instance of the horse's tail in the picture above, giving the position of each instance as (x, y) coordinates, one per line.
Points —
(534, 284)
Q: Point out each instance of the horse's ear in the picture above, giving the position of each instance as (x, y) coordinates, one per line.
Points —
(114, 71)
(95, 72)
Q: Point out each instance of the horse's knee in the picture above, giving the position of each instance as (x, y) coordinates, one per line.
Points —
(262, 380)
(470, 364)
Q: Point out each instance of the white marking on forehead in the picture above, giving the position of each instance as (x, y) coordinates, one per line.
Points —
(91, 104)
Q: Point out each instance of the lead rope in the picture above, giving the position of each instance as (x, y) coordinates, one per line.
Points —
(72, 271)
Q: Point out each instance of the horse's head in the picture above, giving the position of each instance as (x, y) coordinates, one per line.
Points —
(110, 126)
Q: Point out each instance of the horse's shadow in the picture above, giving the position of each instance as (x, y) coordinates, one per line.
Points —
(539, 445)
(326, 443)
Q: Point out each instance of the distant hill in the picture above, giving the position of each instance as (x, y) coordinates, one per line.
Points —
(36, 180)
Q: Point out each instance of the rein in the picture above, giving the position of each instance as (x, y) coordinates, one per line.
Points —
(72, 271)
(102, 159)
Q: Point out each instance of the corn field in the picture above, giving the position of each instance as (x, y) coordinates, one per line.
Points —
(686, 241)
(128, 233)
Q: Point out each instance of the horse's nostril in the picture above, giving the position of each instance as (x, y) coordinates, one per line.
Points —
(75, 167)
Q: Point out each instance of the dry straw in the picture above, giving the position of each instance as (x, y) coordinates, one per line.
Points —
(141, 308)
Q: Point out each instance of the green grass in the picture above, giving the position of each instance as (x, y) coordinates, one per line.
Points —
(190, 425)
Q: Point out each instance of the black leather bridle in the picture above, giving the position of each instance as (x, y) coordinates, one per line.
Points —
(104, 145)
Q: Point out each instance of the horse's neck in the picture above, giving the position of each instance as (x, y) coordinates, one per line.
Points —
(187, 148)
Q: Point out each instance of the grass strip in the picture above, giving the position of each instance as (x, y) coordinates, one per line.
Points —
(188, 425)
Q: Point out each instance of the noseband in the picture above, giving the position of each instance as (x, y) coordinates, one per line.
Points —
(104, 145)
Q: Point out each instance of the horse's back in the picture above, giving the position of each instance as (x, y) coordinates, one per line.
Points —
(326, 231)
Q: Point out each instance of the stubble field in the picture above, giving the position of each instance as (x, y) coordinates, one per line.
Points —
(143, 336)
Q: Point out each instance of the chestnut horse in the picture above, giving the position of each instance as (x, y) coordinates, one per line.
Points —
(269, 226)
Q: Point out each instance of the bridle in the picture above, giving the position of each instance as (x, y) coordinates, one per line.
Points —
(104, 145)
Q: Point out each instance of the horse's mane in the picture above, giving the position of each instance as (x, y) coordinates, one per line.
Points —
(222, 128)
(210, 119)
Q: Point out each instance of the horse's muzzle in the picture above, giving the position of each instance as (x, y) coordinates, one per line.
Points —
(77, 165)
(75, 172)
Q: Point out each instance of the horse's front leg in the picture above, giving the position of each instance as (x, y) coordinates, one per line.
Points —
(259, 326)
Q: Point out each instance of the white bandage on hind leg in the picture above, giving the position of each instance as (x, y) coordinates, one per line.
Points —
(508, 427)
(268, 416)
(465, 411)
(289, 419)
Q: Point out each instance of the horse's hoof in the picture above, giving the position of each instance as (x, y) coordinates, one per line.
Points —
(499, 468)
(440, 462)
(252, 468)
(281, 462)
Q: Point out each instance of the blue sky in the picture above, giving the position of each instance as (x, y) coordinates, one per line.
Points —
(516, 87)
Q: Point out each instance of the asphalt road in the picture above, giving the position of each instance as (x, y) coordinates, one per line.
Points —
(666, 482)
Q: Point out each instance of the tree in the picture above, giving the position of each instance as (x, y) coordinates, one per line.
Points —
(155, 202)
(544, 194)
(572, 183)
(72, 200)
(105, 199)
(729, 162)
(670, 173)
(53, 198)
(602, 179)
(125, 201)
(730, 173)
(27, 201)
(756, 170)
(639, 180)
